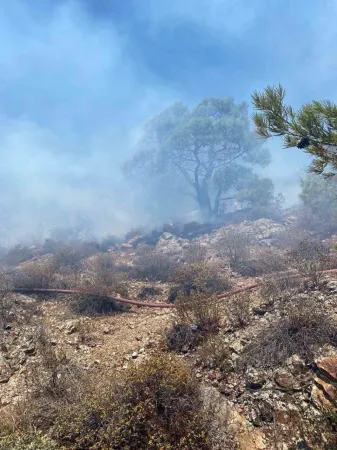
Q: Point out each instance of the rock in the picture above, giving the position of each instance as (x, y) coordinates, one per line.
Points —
(134, 355)
(255, 379)
(142, 350)
(236, 347)
(262, 412)
(296, 365)
(328, 367)
(5, 371)
(71, 326)
(28, 347)
(328, 390)
(286, 381)
(332, 286)
(106, 330)
(318, 398)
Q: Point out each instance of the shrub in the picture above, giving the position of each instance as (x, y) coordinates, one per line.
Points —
(199, 310)
(148, 291)
(5, 298)
(182, 338)
(195, 253)
(281, 287)
(103, 278)
(35, 275)
(310, 258)
(156, 406)
(17, 255)
(32, 440)
(235, 246)
(51, 381)
(303, 328)
(93, 305)
(67, 257)
(134, 232)
(109, 241)
(265, 260)
(152, 265)
(70, 256)
(239, 310)
(199, 278)
(214, 353)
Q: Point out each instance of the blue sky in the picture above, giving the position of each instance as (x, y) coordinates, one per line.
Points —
(77, 78)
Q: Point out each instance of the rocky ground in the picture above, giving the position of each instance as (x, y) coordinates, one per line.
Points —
(279, 407)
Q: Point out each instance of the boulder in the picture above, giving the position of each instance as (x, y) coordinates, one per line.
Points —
(328, 367)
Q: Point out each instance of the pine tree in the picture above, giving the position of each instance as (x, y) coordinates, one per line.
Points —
(313, 128)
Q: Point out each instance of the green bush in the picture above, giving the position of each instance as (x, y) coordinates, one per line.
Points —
(27, 441)
(156, 406)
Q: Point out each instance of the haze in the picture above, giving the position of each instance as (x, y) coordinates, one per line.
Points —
(78, 78)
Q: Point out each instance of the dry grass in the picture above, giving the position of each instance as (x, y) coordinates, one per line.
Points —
(182, 338)
(303, 328)
(200, 310)
(238, 310)
(151, 265)
(310, 258)
(214, 354)
(235, 246)
(52, 381)
(35, 275)
(195, 253)
(280, 287)
(199, 278)
(5, 298)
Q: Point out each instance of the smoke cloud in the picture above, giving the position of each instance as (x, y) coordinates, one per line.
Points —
(78, 78)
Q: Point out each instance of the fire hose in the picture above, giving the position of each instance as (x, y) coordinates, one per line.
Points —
(132, 301)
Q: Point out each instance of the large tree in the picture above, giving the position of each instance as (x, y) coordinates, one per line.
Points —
(210, 147)
(312, 128)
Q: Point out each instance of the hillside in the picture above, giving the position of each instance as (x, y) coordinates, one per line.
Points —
(256, 369)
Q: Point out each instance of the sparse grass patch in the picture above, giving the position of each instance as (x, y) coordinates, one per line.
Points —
(303, 328)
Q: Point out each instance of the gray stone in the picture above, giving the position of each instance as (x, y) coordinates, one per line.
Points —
(255, 379)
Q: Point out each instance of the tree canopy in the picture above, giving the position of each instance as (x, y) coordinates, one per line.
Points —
(312, 128)
(209, 147)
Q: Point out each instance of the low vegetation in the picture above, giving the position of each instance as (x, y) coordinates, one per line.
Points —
(199, 278)
(303, 328)
(156, 405)
(152, 265)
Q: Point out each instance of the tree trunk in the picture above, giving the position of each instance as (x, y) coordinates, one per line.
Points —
(204, 202)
